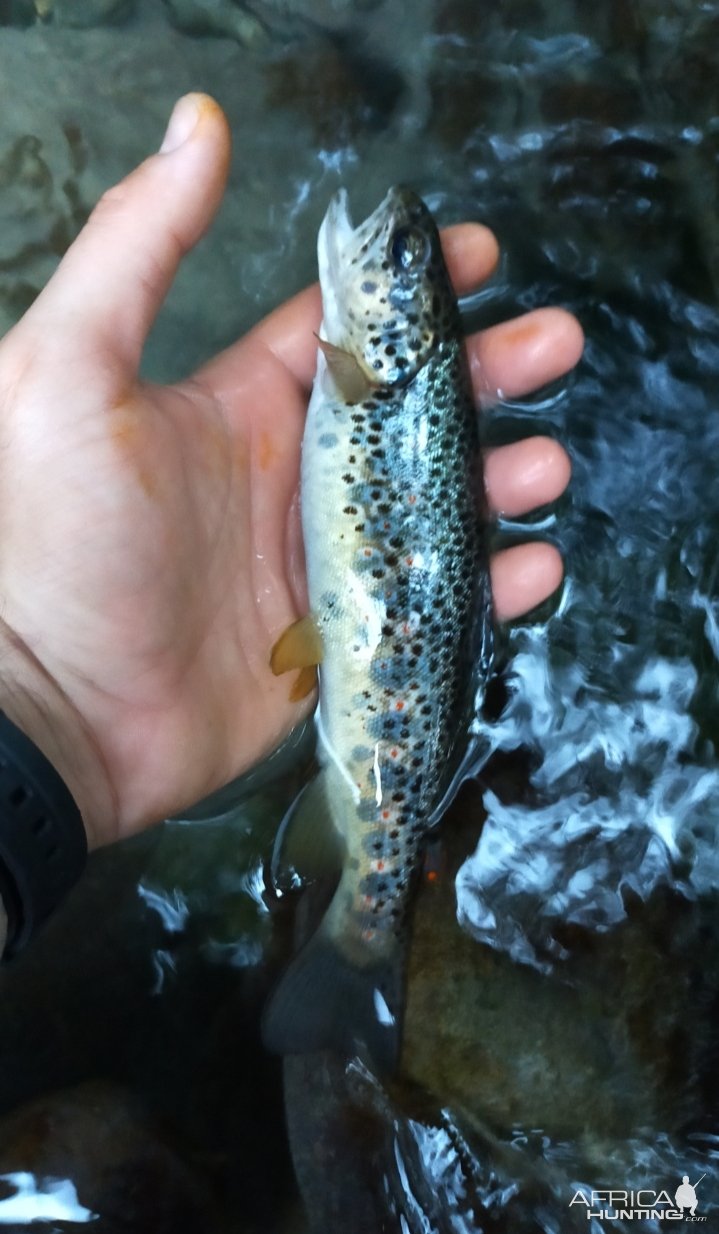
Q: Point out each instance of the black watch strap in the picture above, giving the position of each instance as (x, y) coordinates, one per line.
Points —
(43, 847)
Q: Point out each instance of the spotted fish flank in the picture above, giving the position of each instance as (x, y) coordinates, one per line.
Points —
(399, 590)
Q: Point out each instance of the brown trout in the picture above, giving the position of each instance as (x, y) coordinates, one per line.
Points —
(399, 591)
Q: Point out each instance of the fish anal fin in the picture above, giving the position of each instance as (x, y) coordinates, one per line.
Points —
(308, 844)
(299, 646)
(324, 1002)
(351, 379)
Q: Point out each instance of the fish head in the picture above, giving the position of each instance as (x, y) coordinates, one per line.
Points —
(386, 294)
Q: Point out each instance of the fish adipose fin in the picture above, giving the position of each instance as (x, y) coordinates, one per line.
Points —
(323, 1002)
(299, 646)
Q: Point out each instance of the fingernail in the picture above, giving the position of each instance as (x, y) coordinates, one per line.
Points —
(182, 124)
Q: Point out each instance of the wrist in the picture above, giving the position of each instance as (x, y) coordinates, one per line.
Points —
(37, 705)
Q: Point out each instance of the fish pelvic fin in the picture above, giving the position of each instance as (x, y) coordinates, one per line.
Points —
(325, 1002)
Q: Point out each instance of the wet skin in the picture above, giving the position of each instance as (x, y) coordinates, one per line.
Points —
(151, 551)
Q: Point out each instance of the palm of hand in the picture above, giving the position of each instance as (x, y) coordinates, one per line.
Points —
(165, 513)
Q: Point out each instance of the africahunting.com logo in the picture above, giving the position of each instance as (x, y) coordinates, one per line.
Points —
(642, 1205)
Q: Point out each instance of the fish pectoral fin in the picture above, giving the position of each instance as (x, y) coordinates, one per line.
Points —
(299, 646)
(347, 373)
(324, 1002)
(307, 844)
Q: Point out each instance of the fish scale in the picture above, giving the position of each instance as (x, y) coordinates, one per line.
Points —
(398, 586)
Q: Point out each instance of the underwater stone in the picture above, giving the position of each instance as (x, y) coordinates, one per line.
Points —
(86, 14)
(220, 18)
(99, 1137)
(90, 12)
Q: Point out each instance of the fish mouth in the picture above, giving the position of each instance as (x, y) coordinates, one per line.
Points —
(343, 250)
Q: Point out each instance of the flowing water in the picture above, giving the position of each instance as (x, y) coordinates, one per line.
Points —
(561, 1030)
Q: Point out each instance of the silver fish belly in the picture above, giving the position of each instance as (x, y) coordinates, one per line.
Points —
(397, 574)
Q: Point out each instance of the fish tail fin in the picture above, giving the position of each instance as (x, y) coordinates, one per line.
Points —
(324, 1002)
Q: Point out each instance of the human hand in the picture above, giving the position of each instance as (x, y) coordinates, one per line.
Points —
(150, 549)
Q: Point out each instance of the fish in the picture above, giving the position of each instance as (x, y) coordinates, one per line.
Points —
(401, 612)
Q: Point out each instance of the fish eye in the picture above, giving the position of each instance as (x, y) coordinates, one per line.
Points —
(409, 248)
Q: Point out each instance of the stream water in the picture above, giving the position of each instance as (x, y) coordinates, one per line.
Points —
(562, 1018)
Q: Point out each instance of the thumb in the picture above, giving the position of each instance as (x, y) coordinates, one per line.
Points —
(114, 277)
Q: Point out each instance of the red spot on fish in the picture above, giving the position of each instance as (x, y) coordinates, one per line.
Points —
(409, 560)
(386, 526)
(380, 866)
(411, 499)
(399, 706)
(432, 876)
(385, 814)
(406, 628)
(393, 753)
(368, 552)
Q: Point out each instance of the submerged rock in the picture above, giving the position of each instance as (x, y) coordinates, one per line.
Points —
(243, 19)
(119, 1171)
(221, 18)
(66, 12)
(514, 1083)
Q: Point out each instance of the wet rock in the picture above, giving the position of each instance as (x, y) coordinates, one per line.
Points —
(56, 161)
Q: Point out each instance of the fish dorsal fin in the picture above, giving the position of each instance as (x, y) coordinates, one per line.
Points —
(347, 373)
